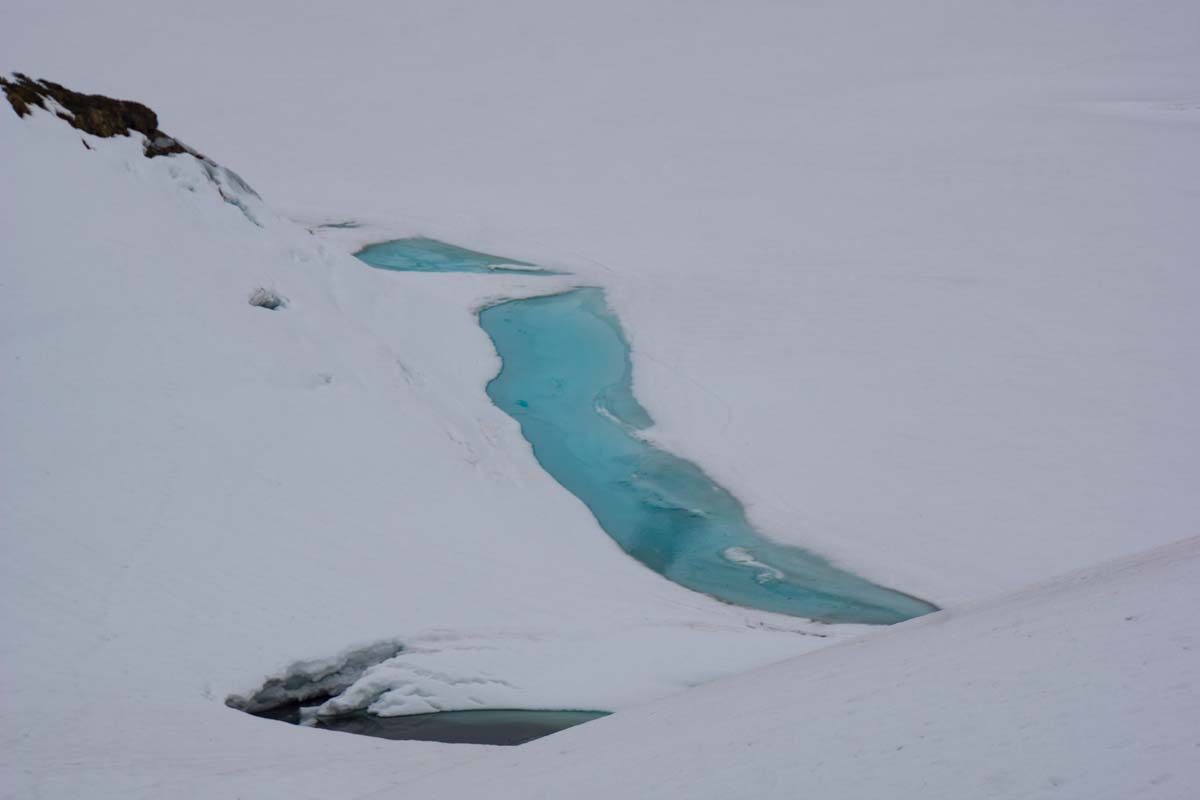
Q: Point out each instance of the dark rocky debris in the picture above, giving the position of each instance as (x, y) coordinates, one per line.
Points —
(268, 299)
(92, 113)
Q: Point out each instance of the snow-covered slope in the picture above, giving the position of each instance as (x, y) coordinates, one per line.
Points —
(1082, 687)
(197, 492)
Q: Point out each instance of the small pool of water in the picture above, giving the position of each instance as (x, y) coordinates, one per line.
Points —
(429, 255)
(506, 726)
(566, 377)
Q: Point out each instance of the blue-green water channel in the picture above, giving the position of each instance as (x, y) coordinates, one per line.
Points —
(566, 378)
(429, 255)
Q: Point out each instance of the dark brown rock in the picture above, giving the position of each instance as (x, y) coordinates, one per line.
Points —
(92, 113)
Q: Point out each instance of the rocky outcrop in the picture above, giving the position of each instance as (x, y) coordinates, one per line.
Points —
(92, 113)
(105, 117)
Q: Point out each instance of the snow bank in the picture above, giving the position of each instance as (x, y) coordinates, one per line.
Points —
(1083, 687)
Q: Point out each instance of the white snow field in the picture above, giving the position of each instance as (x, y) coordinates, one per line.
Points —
(916, 282)
(198, 492)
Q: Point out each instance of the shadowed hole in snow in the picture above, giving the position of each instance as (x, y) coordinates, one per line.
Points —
(498, 726)
(296, 695)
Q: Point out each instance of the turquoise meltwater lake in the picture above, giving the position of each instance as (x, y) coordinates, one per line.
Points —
(429, 255)
(567, 379)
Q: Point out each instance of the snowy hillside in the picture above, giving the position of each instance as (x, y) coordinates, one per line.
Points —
(916, 283)
(1085, 686)
(201, 491)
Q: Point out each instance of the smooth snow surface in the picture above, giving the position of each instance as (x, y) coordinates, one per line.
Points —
(566, 378)
(1084, 687)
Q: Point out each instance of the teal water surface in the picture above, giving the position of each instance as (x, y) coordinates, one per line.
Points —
(429, 255)
(567, 379)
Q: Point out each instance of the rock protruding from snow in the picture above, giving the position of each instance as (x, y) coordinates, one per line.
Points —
(91, 113)
(267, 298)
(106, 117)
(318, 679)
